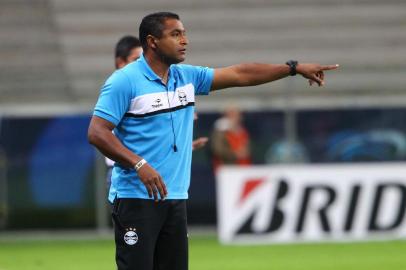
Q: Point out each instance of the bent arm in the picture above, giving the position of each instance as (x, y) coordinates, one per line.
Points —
(256, 73)
(100, 135)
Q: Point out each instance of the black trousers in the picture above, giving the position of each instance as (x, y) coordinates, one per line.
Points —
(150, 235)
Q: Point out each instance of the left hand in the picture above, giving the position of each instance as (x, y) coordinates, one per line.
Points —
(314, 72)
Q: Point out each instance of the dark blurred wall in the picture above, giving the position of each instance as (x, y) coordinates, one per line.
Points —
(50, 174)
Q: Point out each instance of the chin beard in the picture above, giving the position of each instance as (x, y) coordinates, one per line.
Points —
(169, 60)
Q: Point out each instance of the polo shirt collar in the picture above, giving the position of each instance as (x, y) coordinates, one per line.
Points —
(150, 74)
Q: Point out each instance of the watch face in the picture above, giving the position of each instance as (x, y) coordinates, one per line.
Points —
(292, 64)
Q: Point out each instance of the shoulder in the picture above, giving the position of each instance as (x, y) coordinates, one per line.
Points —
(131, 70)
(183, 68)
(131, 76)
(190, 70)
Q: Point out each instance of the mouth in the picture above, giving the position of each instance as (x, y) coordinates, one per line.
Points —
(182, 51)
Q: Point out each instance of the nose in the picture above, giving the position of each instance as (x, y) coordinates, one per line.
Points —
(184, 40)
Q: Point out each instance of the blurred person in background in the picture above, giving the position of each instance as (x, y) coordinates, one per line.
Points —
(230, 140)
(128, 49)
(150, 105)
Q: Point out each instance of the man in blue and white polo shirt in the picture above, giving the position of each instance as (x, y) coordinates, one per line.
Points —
(150, 104)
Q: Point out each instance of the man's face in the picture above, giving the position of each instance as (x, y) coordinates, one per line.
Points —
(171, 47)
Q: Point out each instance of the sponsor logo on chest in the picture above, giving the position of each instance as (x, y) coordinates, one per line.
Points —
(157, 103)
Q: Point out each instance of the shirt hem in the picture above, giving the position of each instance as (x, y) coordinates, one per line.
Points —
(134, 196)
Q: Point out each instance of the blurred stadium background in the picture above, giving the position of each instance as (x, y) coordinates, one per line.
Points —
(55, 55)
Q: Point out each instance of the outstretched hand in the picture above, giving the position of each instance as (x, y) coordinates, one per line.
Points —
(314, 72)
(153, 181)
(199, 143)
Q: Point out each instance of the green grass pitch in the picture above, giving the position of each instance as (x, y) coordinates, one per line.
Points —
(207, 254)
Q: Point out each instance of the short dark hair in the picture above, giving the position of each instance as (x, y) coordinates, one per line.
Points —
(125, 45)
(153, 24)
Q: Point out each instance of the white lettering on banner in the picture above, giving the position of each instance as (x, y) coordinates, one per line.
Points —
(271, 204)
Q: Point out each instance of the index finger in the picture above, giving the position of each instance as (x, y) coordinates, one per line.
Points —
(330, 67)
(149, 189)
(161, 187)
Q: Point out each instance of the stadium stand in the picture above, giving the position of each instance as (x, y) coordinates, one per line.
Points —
(32, 64)
(64, 48)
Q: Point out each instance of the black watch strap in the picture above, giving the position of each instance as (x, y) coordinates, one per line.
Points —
(292, 64)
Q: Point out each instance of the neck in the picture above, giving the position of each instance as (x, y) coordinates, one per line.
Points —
(157, 65)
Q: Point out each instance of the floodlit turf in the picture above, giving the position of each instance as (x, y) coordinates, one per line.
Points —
(207, 254)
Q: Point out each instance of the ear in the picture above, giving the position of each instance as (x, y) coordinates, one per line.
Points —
(151, 41)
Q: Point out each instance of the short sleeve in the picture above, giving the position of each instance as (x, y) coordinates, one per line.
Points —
(115, 98)
(202, 78)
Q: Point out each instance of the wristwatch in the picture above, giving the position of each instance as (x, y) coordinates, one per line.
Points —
(292, 64)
